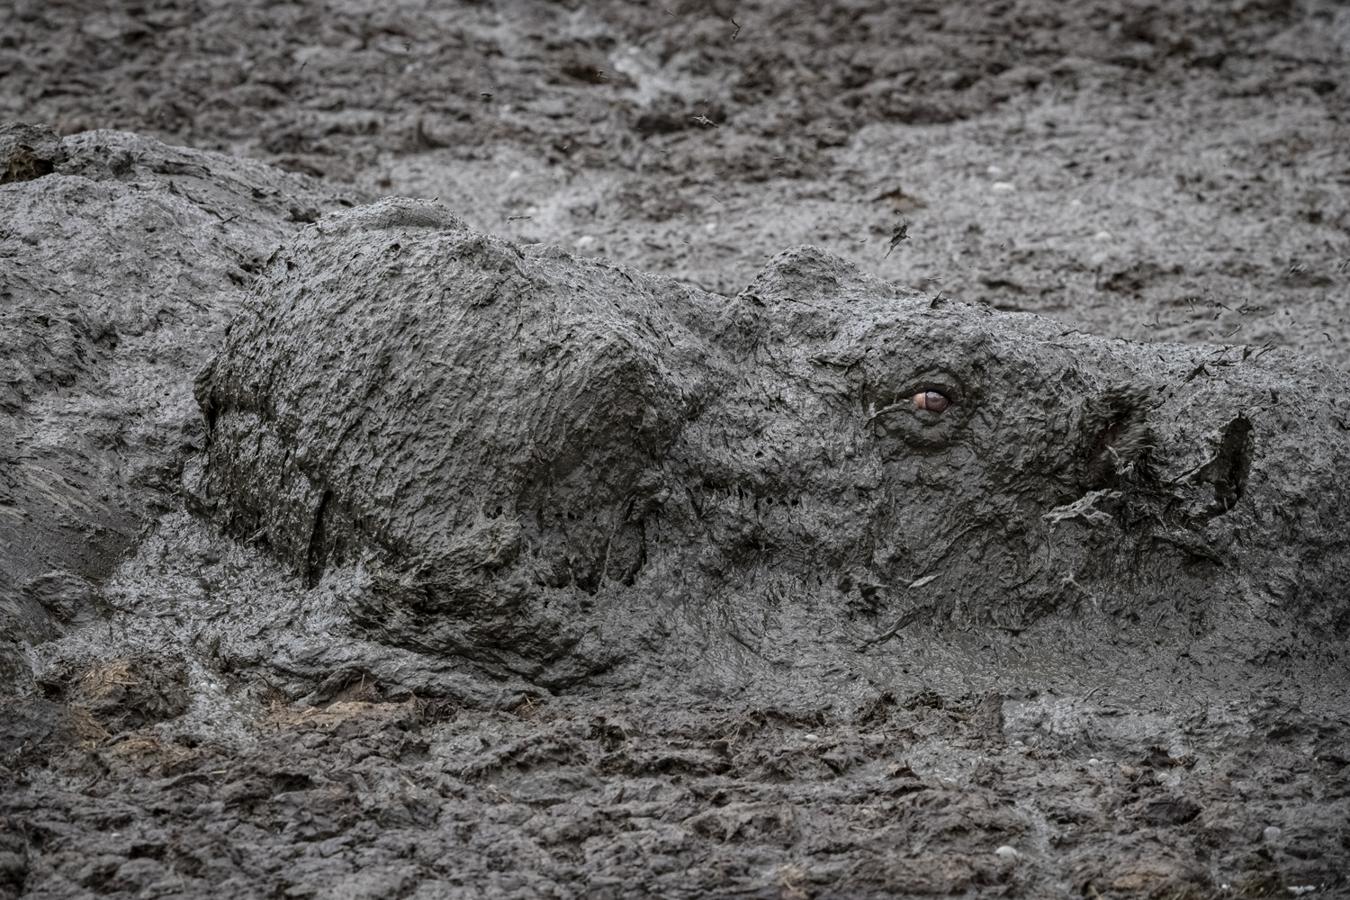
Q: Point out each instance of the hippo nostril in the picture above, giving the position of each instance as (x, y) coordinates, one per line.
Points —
(1118, 438)
(933, 401)
(1229, 467)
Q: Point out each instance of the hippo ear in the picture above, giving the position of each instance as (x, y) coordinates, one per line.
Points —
(804, 291)
(811, 274)
(390, 214)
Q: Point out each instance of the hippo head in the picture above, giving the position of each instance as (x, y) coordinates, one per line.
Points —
(552, 465)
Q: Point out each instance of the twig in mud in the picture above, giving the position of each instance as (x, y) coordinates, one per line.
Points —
(792, 299)
(175, 189)
(901, 233)
(1197, 371)
(704, 121)
(1085, 508)
(920, 580)
(1249, 350)
(906, 619)
(735, 34)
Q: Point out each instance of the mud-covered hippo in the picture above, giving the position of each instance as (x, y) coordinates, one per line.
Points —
(548, 463)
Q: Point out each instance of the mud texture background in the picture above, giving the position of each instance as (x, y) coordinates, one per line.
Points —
(1137, 170)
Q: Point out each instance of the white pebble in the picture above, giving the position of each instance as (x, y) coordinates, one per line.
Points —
(1271, 834)
(586, 240)
(1003, 187)
(1007, 852)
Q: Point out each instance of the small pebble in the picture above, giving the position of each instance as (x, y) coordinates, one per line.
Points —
(1007, 852)
(810, 737)
(1271, 834)
(1094, 761)
(1003, 187)
(586, 240)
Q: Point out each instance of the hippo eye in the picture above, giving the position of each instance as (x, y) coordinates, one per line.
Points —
(933, 401)
(927, 411)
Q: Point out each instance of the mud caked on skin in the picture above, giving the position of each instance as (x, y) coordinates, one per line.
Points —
(555, 466)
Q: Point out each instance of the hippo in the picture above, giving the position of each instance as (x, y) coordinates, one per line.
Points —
(549, 465)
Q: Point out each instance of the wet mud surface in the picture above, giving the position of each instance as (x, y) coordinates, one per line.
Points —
(265, 633)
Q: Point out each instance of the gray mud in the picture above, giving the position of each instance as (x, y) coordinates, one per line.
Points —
(395, 551)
